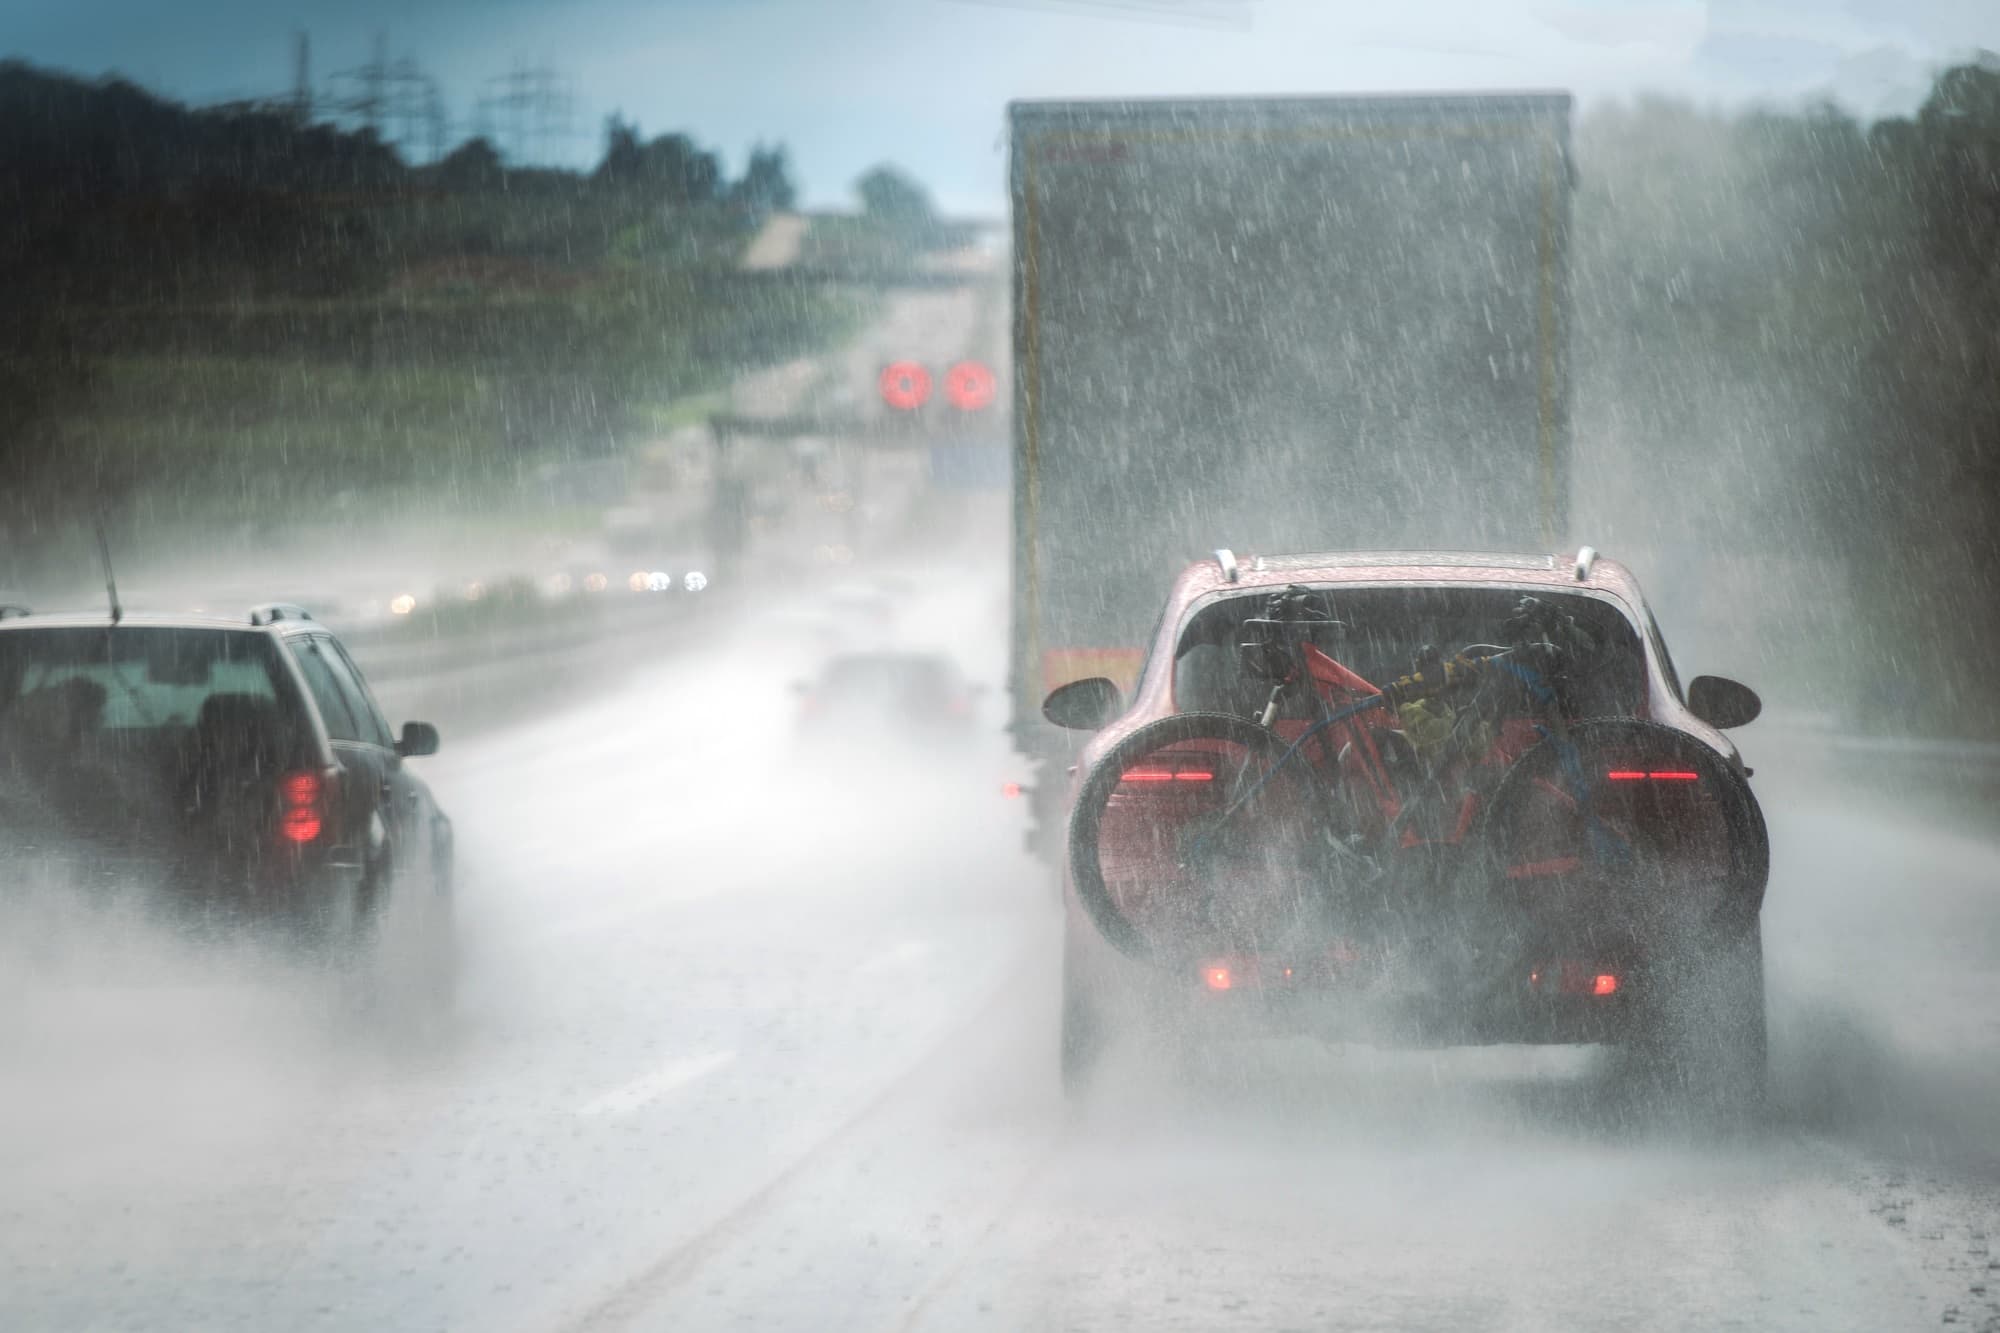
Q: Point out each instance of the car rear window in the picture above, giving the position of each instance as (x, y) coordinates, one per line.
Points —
(1380, 633)
(132, 678)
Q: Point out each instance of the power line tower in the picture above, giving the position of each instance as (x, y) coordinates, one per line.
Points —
(394, 100)
(357, 92)
(415, 107)
(534, 105)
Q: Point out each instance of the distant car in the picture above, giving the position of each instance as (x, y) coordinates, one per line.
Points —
(239, 766)
(886, 697)
(1433, 798)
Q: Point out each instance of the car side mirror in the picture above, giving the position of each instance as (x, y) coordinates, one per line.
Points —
(1722, 702)
(1083, 705)
(419, 738)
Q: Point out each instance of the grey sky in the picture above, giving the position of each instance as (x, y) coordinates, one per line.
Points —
(847, 83)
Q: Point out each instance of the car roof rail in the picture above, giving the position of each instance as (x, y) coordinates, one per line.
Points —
(1226, 560)
(1586, 557)
(270, 613)
(11, 611)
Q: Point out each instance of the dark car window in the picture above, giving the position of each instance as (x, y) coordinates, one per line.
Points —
(1666, 658)
(1381, 632)
(355, 690)
(341, 723)
(134, 678)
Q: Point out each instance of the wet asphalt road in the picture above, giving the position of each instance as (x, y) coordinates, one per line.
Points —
(751, 1040)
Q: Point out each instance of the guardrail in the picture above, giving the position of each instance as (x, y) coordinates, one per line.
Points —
(1824, 733)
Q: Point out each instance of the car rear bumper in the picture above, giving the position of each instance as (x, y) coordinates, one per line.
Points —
(279, 887)
(1408, 1003)
(1419, 1020)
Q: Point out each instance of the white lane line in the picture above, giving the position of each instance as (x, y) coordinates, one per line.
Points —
(643, 1091)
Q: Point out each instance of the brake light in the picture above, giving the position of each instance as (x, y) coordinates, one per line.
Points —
(302, 818)
(1167, 775)
(1656, 775)
(1010, 790)
(300, 825)
(1218, 977)
(1674, 775)
(1185, 776)
(1575, 978)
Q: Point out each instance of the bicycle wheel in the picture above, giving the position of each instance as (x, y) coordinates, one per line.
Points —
(1640, 834)
(1629, 825)
(1201, 834)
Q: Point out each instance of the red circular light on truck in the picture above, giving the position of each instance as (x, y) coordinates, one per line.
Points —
(970, 386)
(905, 385)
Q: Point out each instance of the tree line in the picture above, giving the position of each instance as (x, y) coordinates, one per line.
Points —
(1791, 322)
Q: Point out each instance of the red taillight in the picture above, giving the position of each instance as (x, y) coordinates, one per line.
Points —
(300, 825)
(1186, 775)
(302, 819)
(1574, 978)
(1218, 977)
(1167, 775)
(1010, 790)
(1625, 775)
(1656, 775)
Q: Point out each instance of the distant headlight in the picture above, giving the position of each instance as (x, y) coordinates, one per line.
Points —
(403, 604)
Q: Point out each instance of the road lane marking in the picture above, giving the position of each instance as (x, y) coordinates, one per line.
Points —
(641, 1092)
(630, 1302)
(1039, 1163)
